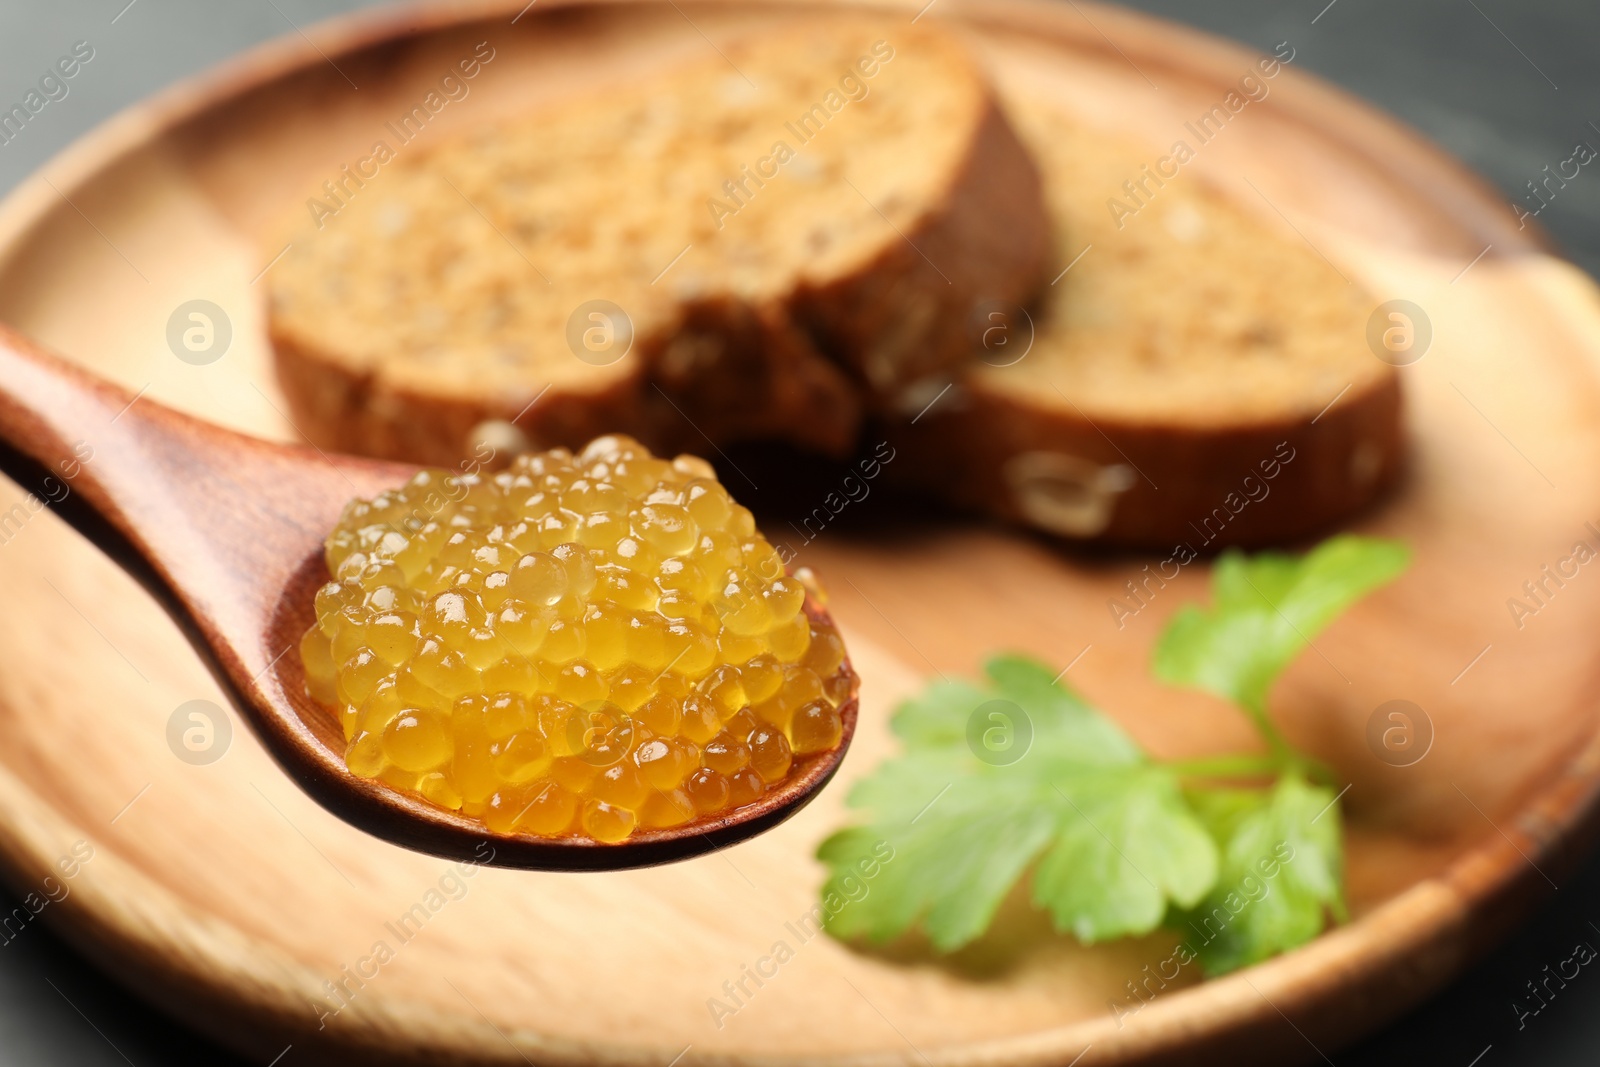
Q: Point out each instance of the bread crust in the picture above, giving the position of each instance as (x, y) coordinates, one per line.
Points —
(1157, 486)
(342, 409)
(763, 380)
(911, 313)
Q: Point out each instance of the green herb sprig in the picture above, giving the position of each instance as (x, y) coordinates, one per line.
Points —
(1118, 843)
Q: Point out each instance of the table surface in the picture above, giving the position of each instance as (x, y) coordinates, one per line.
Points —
(1507, 87)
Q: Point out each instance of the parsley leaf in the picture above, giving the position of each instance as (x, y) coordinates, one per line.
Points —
(1282, 871)
(1267, 608)
(1021, 774)
(1114, 839)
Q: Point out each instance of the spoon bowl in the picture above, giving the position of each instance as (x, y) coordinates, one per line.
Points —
(227, 532)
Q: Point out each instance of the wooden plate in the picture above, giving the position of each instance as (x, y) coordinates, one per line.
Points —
(229, 898)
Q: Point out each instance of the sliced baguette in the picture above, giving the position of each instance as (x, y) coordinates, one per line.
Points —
(795, 232)
(1196, 379)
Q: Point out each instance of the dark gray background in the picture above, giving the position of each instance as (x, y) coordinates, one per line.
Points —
(1508, 87)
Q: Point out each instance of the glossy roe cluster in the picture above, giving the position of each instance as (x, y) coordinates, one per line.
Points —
(585, 644)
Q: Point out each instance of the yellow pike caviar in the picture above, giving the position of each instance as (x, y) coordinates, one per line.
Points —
(579, 645)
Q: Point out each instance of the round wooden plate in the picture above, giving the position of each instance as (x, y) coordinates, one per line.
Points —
(229, 898)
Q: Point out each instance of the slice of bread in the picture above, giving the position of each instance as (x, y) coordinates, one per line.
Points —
(795, 230)
(1197, 378)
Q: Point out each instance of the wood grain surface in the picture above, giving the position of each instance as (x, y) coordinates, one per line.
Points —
(227, 896)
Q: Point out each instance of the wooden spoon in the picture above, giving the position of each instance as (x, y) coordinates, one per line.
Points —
(227, 531)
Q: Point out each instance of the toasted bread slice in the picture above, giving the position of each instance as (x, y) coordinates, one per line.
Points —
(1196, 378)
(794, 230)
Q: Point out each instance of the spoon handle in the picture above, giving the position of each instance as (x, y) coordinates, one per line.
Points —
(46, 405)
(211, 520)
(65, 438)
